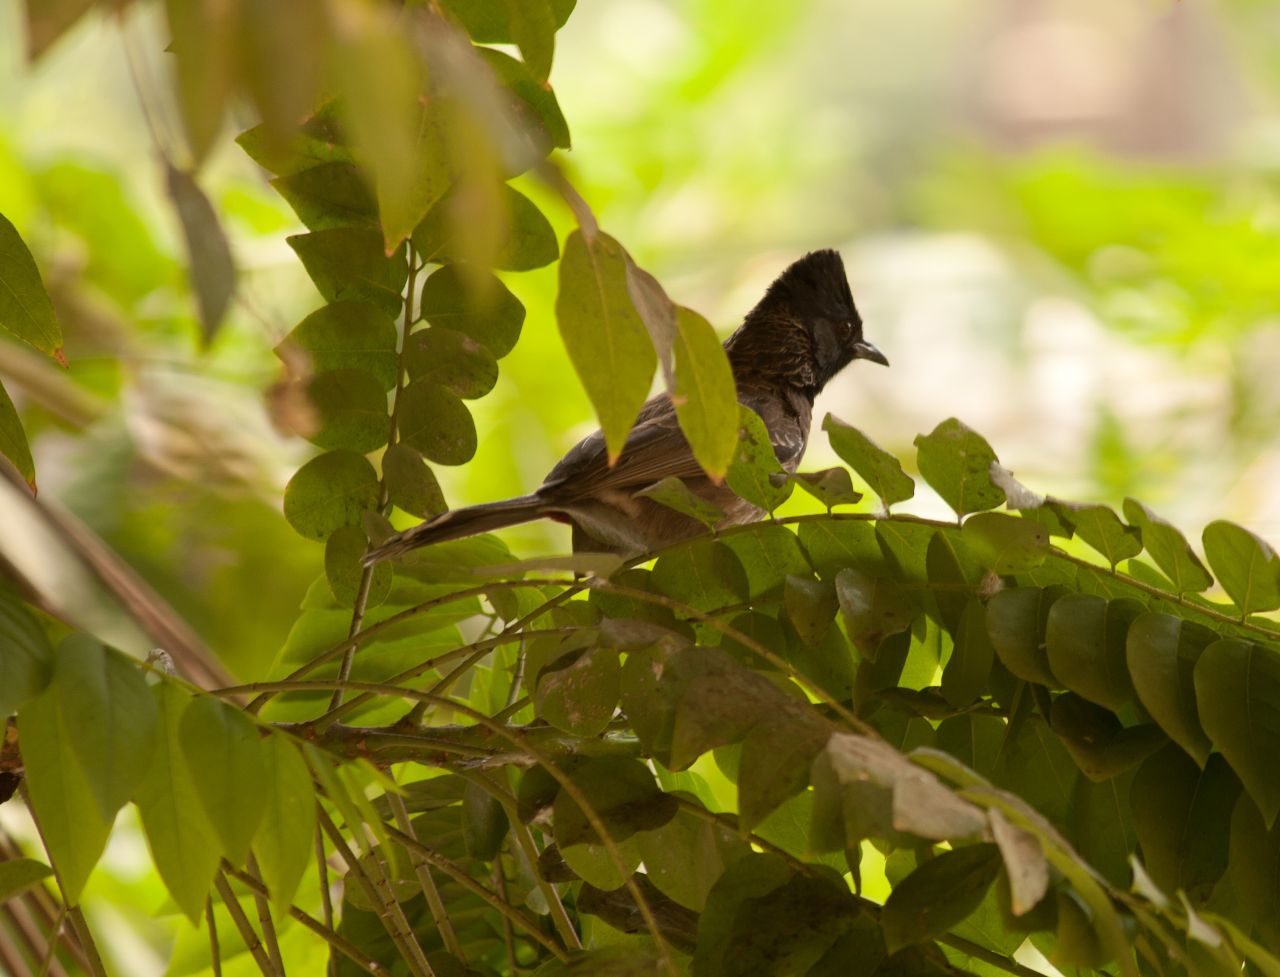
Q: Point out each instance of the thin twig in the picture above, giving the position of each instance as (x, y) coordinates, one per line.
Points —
(242, 924)
(423, 870)
(264, 918)
(215, 948)
(326, 897)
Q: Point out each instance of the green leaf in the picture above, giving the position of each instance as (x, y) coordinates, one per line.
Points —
(343, 335)
(13, 440)
(477, 306)
(875, 466)
(831, 486)
(484, 822)
(942, 892)
(873, 608)
(1098, 744)
(224, 745)
(580, 697)
(1253, 870)
(956, 461)
(348, 263)
(622, 793)
(26, 657)
(537, 107)
(1183, 819)
(777, 755)
(350, 410)
(25, 309)
(704, 573)
(768, 552)
(86, 743)
(203, 39)
(329, 492)
(451, 359)
(329, 195)
(284, 844)
(605, 336)
(685, 857)
(1161, 652)
(411, 485)
(17, 875)
(704, 394)
(489, 21)
(810, 606)
(1238, 695)
(1101, 528)
(533, 29)
(525, 239)
(318, 140)
(1016, 621)
(675, 494)
(1005, 543)
(1085, 640)
(1245, 565)
(833, 545)
(437, 423)
(209, 263)
(763, 917)
(965, 677)
(183, 844)
(952, 573)
(1169, 548)
(343, 552)
(754, 474)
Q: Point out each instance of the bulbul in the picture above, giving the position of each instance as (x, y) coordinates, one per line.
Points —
(803, 332)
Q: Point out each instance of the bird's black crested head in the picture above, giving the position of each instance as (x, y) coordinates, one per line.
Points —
(806, 329)
(814, 286)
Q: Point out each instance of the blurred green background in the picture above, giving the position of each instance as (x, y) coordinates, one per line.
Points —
(1061, 219)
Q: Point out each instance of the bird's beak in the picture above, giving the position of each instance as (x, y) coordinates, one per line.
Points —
(863, 350)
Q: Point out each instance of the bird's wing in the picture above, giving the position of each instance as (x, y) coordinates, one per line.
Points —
(655, 448)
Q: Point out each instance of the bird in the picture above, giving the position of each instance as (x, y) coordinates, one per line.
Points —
(803, 332)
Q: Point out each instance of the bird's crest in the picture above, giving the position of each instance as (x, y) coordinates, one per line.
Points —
(813, 285)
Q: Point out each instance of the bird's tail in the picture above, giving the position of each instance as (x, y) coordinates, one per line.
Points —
(459, 523)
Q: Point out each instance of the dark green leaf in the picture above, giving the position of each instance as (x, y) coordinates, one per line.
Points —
(183, 843)
(905, 546)
(13, 440)
(956, 461)
(675, 494)
(705, 574)
(1101, 528)
(347, 335)
(580, 696)
(1102, 825)
(953, 575)
(831, 486)
(964, 680)
(453, 360)
(436, 422)
(329, 195)
(488, 21)
(284, 842)
(224, 746)
(1169, 548)
(17, 875)
(833, 545)
(330, 491)
(1100, 746)
(938, 895)
(484, 822)
(879, 469)
(873, 608)
(1253, 871)
(762, 917)
(755, 474)
(776, 757)
(411, 485)
(1245, 565)
(1183, 818)
(605, 336)
(1016, 622)
(1085, 640)
(350, 410)
(480, 307)
(348, 263)
(1006, 544)
(621, 792)
(1161, 652)
(343, 553)
(811, 606)
(1238, 696)
(25, 309)
(26, 657)
(685, 857)
(704, 394)
(533, 29)
(212, 271)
